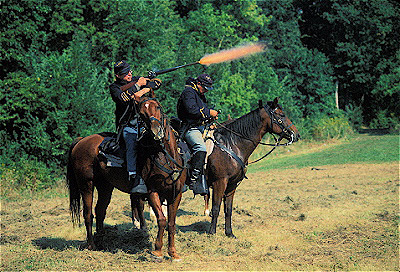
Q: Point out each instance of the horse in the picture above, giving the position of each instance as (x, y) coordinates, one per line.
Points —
(161, 167)
(234, 142)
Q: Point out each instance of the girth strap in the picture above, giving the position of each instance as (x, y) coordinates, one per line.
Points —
(233, 155)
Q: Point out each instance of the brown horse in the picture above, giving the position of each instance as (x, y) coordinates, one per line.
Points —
(235, 141)
(161, 167)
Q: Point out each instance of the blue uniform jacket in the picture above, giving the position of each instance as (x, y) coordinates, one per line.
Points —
(123, 100)
(192, 106)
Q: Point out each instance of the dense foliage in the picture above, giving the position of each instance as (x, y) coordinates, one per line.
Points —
(57, 58)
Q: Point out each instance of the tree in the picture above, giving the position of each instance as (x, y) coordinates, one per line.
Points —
(360, 39)
(64, 96)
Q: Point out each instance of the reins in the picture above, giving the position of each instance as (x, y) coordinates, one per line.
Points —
(274, 119)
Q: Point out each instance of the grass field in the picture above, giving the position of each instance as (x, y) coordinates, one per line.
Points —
(319, 207)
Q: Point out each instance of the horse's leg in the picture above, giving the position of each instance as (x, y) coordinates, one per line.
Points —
(206, 202)
(228, 202)
(134, 211)
(137, 205)
(87, 200)
(104, 197)
(218, 193)
(172, 209)
(155, 203)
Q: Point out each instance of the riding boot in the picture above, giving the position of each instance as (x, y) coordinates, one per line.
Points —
(200, 186)
(139, 187)
(197, 181)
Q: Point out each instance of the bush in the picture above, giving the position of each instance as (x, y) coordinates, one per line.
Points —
(331, 128)
(28, 178)
(31, 175)
(354, 114)
(384, 120)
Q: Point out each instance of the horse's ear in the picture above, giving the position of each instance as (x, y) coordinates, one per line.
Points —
(275, 103)
(260, 104)
(152, 94)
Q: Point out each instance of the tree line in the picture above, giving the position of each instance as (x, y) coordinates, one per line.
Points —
(57, 58)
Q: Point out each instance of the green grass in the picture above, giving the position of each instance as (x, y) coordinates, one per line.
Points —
(360, 148)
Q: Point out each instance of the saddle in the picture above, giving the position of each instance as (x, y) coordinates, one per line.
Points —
(112, 150)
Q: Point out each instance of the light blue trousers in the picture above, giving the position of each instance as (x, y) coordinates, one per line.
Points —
(194, 139)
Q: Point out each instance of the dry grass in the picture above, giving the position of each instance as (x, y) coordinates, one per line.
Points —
(342, 217)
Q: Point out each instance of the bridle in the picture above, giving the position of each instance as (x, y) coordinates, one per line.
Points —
(274, 120)
(173, 172)
(153, 118)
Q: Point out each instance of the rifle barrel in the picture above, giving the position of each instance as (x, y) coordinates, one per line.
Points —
(160, 72)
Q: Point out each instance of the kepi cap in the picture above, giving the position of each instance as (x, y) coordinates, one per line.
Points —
(206, 81)
(121, 68)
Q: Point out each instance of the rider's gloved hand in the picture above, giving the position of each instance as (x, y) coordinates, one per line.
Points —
(214, 114)
(154, 83)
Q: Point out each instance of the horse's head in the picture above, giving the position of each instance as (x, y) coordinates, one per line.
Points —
(280, 123)
(152, 115)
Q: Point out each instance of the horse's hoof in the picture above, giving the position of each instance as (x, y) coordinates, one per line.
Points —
(136, 223)
(176, 259)
(231, 235)
(174, 256)
(156, 256)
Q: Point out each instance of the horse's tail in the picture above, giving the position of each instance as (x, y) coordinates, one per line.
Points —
(74, 195)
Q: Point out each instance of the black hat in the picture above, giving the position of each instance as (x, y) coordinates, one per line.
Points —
(205, 81)
(121, 68)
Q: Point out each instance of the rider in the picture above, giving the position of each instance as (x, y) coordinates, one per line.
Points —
(125, 90)
(192, 109)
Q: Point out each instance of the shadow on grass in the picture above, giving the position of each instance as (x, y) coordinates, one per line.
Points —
(128, 213)
(58, 244)
(199, 227)
(116, 238)
(181, 212)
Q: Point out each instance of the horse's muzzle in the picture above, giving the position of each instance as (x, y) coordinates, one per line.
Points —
(291, 136)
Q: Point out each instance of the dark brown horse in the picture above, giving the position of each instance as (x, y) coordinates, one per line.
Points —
(235, 141)
(162, 170)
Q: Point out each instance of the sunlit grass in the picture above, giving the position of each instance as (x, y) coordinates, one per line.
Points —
(360, 148)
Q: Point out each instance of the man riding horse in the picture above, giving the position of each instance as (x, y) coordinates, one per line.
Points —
(193, 111)
(125, 90)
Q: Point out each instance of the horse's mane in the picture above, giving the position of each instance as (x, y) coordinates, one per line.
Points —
(245, 126)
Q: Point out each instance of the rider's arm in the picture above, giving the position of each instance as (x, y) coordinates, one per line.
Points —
(139, 94)
(129, 91)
